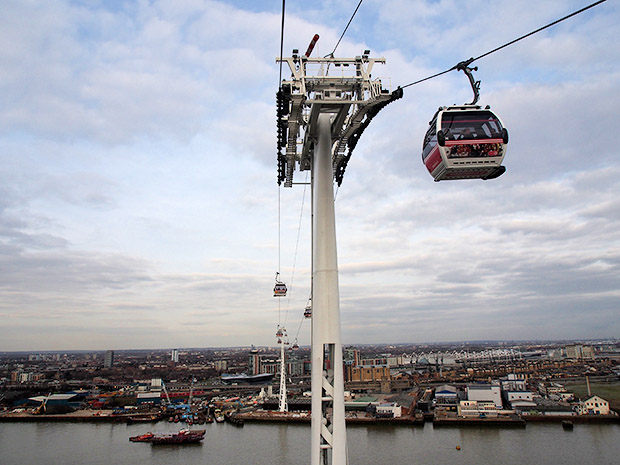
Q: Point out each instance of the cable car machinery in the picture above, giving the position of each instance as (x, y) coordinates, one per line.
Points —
(325, 115)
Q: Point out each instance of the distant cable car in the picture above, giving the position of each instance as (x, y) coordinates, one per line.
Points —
(465, 142)
(308, 312)
(295, 346)
(279, 332)
(279, 290)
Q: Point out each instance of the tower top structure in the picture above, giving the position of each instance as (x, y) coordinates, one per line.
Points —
(341, 87)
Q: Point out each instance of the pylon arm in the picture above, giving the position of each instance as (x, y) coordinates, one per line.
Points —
(349, 95)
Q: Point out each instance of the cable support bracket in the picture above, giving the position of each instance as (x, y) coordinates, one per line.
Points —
(475, 85)
(351, 135)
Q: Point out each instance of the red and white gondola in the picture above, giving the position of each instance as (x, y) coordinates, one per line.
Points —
(465, 142)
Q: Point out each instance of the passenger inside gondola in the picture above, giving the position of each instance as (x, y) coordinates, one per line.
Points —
(466, 134)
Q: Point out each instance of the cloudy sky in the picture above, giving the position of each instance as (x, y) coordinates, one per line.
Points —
(138, 194)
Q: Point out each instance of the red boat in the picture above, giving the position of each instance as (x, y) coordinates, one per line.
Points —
(142, 438)
(184, 436)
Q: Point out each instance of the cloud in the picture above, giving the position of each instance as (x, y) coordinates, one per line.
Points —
(138, 195)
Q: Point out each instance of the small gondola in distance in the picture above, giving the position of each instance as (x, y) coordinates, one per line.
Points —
(279, 290)
(465, 142)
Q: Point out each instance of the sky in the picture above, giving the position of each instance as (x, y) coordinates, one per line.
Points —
(139, 206)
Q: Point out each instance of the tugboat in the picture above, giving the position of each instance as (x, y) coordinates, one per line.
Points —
(184, 436)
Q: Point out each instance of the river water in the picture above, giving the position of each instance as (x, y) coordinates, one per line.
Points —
(285, 444)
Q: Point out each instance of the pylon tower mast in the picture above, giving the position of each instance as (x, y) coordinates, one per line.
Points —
(282, 340)
(321, 117)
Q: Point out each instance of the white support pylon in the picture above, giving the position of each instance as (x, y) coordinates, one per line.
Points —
(283, 407)
(328, 429)
(325, 115)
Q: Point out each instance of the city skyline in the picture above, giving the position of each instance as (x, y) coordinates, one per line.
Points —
(138, 195)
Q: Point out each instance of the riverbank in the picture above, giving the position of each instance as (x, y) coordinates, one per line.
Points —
(258, 416)
(305, 417)
(89, 416)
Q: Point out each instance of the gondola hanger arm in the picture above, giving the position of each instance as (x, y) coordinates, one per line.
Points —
(475, 85)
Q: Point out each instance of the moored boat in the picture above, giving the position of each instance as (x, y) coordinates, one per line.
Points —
(143, 419)
(146, 437)
(184, 436)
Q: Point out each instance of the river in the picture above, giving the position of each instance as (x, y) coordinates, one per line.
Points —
(286, 444)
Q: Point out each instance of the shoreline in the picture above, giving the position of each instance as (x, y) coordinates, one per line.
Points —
(278, 417)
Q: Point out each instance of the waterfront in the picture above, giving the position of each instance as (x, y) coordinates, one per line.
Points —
(286, 444)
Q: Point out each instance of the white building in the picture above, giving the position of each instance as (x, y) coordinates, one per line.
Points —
(485, 392)
(513, 382)
(474, 408)
(595, 405)
(512, 396)
(389, 410)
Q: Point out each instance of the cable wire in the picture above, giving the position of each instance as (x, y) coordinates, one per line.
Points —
(279, 203)
(281, 42)
(301, 214)
(471, 60)
(345, 29)
(540, 29)
(279, 247)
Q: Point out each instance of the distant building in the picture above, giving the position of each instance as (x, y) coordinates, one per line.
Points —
(548, 407)
(221, 365)
(368, 373)
(58, 402)
(406, 403)
(352, 356)
(446, 394)
(474, 408)
(389, 361)
(254, 362)
(391, 410)
(513, 382)
(595, 405)
(175, 355)
(519, 399)
(108, 361)
(579, 352)
(152, 398)
(485, 392)
(551, 389)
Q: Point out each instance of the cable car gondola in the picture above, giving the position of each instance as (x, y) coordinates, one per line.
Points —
(279, 290)
(308, 312)
(465, 141)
